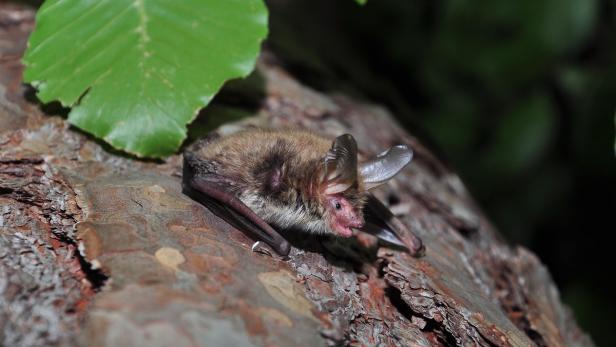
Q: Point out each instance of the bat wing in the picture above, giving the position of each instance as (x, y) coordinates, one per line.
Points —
(212, 194)
(380, 222)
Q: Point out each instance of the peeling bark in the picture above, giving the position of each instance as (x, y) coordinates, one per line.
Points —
(98, 249)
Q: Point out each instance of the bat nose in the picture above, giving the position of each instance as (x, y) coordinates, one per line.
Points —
(356, 222)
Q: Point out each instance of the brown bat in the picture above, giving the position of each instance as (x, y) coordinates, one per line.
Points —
(262, 179)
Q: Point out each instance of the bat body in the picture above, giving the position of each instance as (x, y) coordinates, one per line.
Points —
(262, 180)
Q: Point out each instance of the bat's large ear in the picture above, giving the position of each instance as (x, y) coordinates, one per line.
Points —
(340, 165)
(385, 166)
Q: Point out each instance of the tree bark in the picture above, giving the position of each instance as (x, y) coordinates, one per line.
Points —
(100, 249)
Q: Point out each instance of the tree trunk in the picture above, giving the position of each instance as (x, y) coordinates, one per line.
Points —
(99, 249)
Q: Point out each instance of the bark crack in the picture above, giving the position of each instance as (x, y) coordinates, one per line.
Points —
(31, 181)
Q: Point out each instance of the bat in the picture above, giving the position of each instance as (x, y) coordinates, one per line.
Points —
(264, 180)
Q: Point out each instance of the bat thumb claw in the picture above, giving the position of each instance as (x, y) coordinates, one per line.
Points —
(259, 247)
(255, 246)
(264, 248)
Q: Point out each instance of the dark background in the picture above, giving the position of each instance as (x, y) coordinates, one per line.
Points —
(517, 96)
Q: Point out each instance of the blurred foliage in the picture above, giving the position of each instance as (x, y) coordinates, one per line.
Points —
(519, 96)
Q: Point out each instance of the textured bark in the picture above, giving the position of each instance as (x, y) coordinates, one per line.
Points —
(98, 249)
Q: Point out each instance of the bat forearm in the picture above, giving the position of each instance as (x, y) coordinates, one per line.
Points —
(207, 192)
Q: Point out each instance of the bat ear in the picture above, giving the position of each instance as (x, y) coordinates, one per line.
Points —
(340, 165)
(384, 166)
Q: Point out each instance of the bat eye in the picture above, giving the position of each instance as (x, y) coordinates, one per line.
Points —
(338, 206)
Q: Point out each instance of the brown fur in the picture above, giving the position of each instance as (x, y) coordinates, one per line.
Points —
(274, 169)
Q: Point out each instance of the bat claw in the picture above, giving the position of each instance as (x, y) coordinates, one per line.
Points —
(258, 247)
(254, 246)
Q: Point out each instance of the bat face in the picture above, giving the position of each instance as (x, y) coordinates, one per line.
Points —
(342, 187)
(262, 180)
(342, 215)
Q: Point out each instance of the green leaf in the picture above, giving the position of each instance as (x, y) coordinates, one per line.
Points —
(137, 71)
(361, 2)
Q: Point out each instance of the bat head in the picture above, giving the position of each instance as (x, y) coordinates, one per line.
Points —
(344, 182)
